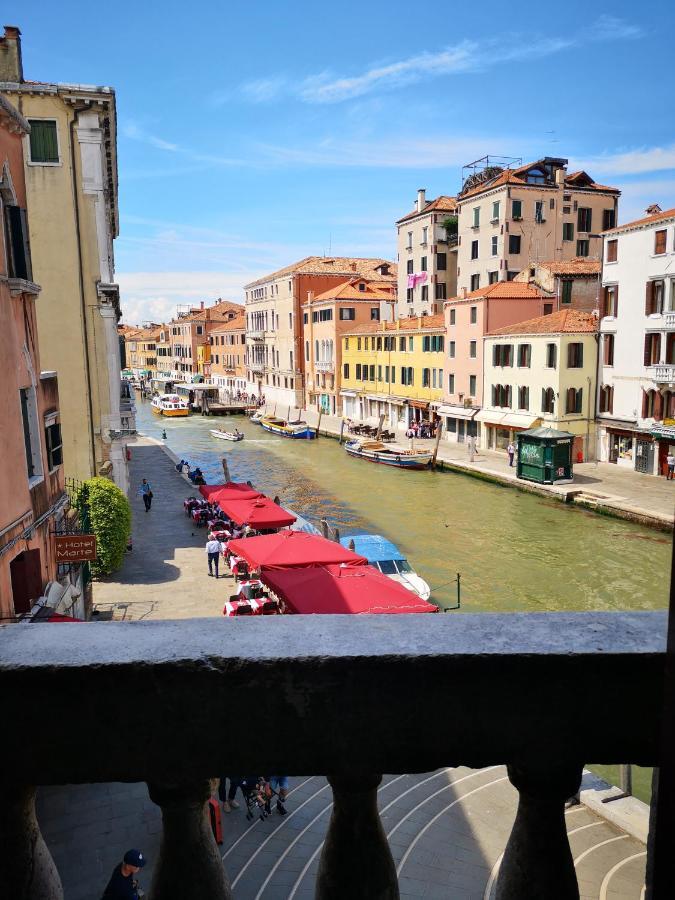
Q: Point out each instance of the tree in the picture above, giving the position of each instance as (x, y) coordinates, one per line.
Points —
(110, 519)
(450, 224)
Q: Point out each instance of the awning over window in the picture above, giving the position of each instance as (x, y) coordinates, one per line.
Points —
(492, 418)
(457, 412)
(519, 420)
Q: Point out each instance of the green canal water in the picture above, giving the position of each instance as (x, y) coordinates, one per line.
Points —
(515, 551)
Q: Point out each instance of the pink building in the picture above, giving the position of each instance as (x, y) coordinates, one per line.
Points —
(467, 320)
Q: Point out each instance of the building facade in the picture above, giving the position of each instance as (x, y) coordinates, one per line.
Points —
(141, 351)
(467, 319)
(70, 159)
(571, 283)
(395, 370)
(274, 328)
(541, 372)
(636, 393)
(427, 256)
(227, 347)
(511, 218)
(190, 330)
(32, 497)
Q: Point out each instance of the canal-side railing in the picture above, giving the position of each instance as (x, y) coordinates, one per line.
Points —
(348, 696)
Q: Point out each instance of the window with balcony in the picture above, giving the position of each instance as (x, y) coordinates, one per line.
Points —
(584, 219)
(660, 238)
(612, 250)
(573, 400)
(583, 248)
(548, 400)
(514, 244)
(568, 231)
(652, 354)
(608, 349)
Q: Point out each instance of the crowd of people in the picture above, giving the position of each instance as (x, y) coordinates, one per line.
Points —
(423, 429)
(195, 475)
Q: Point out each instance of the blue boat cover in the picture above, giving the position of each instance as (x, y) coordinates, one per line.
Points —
(373, 546)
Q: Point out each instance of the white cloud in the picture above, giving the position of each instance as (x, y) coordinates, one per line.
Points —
(154, 296)
(630, 162)
(135, 133)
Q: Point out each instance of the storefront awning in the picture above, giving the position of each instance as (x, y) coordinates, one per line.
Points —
(487, 415)
(518, 420)
(457, 412)
(663, 432)
(419, 404)
(348, 393)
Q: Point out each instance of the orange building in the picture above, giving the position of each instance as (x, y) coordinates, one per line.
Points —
(227, 344)
(325, 318)
(190, 330)
(32, 498)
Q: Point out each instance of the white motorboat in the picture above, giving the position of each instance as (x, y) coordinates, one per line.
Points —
(227, 435)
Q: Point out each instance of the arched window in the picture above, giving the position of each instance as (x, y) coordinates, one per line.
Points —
(548, 400)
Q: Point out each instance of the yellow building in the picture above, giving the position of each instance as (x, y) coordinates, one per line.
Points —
(393, 369)
(71, 182)
(204, 359)
(541, 372)
(141, 350)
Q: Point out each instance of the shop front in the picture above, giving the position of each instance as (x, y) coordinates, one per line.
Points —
(459, 423)
(664, 436)
(500, 428)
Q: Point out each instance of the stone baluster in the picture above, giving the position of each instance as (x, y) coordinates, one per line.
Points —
(189, 863)
(27, 870)
(356, 861)
(537, 861)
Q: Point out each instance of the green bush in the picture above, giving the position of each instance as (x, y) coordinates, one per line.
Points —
(110, 520)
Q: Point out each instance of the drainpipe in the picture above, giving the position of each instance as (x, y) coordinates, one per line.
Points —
(588, 418)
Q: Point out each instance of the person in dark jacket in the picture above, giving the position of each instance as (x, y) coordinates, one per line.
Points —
(122, 884)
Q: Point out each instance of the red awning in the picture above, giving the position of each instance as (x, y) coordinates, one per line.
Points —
(258, 512)
(355, 590)
(292, 548)
(232, 489)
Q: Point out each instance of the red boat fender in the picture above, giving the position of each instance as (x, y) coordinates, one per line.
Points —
(215, 819)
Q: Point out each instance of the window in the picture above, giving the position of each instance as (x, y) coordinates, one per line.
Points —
(539, 211)
(606, 399)
(575, 356)
(476, 216)
(473, 315)
(566, 291)
(495, 210)
(451, 349)
(358, 343)
(423, 264)
(54, 445)
(411, 344)
(583, 248)
(409, 244)
(44, 144)
(379, 373)
(474, 249)
(517, 209)
(608, 219)
(452, 316)
(610, 303)
(494, 245)
(290, 320)
(441, 291)
(612, 250)
(523, 398)
(548, 309)
(608, 349)
(441, 261)
(475, 282)
(347, 314)
(426, 377)
(425, 232)
(30, 431)
(514, 244)
(548, 400)
(199, 329)
(568, 231)
(17, 243)
(472, 349)
(426, 343)
(409, 266)
(501, 395)
(371, 373)
(502, 354)
(374, 313)
(652, 349)
(307, 348)
(584, 219)
(401, 345)
(305, 318)
(472, 385)
(451, 383)
(574, 399)
(654, 299)
(493, 277)
(524, 356)
(425, 292)
(358, 372)
(409, 295)
(660, 241)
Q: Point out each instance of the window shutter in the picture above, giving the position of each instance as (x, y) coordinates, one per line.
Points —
(645, 403)
(656, 355)
(658, 405)
(610, 407)
(647, 356)
(570, 356)
(649, 299)
(616, 300)
(543, 399)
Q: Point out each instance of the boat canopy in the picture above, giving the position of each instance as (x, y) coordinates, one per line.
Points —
(258, 512)
(373, 546)
(294, 549)
(232, 490)
(342, 589)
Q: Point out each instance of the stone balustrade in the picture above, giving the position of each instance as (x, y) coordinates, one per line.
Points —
(350, 697)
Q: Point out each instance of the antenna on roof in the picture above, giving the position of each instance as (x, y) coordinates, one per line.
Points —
(330, 243)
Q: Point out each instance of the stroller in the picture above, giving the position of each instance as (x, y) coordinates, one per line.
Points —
(258, 796)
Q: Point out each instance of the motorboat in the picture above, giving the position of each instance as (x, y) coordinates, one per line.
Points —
(170, 405)
(283, 428)
(257, 416)
(377, 452)
(227, 435)
(388, 559)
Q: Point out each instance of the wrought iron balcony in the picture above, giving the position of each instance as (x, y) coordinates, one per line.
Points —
(349, 696)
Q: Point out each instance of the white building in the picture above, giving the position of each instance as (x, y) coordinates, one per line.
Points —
(636, 383)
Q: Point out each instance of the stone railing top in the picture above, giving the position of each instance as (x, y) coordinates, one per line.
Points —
(320, 694)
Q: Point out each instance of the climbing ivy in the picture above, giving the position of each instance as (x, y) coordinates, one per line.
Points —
(110, 518)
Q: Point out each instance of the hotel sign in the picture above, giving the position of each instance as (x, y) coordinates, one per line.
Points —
(74, 548)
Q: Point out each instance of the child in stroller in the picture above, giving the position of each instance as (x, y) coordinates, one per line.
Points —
(258, 793)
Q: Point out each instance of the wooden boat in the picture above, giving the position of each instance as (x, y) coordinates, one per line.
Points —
(377, 452)
(287, 429)
(170, 405)
(227, 435)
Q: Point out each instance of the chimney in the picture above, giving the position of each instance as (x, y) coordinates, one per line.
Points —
(11, 66)
(353, 267)
(653, 210)
(421, 200)
(464, 292)
(201, 305)
(560, 176)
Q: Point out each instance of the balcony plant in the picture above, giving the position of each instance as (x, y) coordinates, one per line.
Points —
(450, 224)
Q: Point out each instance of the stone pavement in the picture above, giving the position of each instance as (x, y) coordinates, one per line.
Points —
(165, 575)
(447, 831)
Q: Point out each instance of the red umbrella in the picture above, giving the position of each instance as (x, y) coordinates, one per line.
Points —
(292, 548)
(258, 512)
(231, 489)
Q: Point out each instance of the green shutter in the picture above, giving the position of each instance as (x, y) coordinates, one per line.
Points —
(43, 142)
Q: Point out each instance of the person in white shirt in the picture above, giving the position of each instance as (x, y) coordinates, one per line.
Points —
(213, 550)
(670, 462)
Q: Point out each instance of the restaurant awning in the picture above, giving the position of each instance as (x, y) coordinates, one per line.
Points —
(516, 420)
(457, 412)
(487, 415)
(419, 404)
(258, 512)
(336, 589)
(292, 549)
(232, 489)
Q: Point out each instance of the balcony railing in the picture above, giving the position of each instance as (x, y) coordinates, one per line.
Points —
(325, 365)
(662, 374)
(351, 696)
(256, 335)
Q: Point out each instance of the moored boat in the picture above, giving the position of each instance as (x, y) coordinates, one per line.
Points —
(388, 559)
(170, 405)
(377, 452)
(257, 416)
(287, 429)
(227, 435)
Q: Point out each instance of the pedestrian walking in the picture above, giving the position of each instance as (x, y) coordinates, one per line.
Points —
(670, 462)
(227, 796)
(213, 550)
(122, 884)
(279, 786)
(145, 491)
(511, 450)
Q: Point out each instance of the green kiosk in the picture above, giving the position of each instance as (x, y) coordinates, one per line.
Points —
(545, 455)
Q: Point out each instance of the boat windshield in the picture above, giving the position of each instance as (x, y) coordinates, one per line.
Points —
(388, 566)
(403, 566)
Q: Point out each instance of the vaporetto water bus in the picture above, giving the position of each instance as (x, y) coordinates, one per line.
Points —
(170, 405)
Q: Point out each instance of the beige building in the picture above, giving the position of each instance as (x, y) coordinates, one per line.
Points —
(427, 256)
(274, 331)
(227, 349)
(190, 331)
(511, 218)
(571, 283)
(71, 184)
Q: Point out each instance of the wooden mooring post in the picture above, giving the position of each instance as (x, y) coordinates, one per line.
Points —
(439, 432)
(379, 427)
(342, 430)
(226, 471)
(318, 424)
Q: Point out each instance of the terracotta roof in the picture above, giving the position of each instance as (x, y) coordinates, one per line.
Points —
(348, 266)
(238, 323)
(412, 323)
(648, 220)
(574, 181)
(578, 265)
(443, 203)
(565, 321)
(503, 290)
(220, 311)
(349, 290)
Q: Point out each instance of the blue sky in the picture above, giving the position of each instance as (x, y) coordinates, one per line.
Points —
(252, 134)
